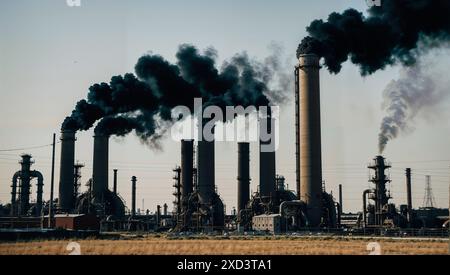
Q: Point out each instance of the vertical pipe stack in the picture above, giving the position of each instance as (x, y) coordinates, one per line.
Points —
(187, 166)
(205, 168)
(40, 191)
(15, 178)
(165, 209)
(409, 194)
(100, 166)
(66, 202)
(243, 174)
(133, 195)
(340, 203)
(297, 131)
(25, 177)
(115, 182)
(267, 169)
(158, 215)
(310, 137)
(52, 184)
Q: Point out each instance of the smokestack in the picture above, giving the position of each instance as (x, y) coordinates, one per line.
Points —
(165, 209)
(100, 166)
(267, 174)
(66, 173)
(133, 195)
(340, 197)
(409, 194)
(310, 137)
(187, 166)
(243, 175)
(158, 215)
(115, 182)
(340, 203)
(205, 168)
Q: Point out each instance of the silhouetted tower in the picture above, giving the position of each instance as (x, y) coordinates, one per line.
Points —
(380, 197)
(428, 199)
(177, 193)
(133, 195)
(77, 180)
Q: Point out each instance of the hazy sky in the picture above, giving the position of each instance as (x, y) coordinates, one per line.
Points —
(50, 54)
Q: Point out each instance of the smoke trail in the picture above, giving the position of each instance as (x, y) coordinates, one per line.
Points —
(144, 102)
(417, 92)
(389, 34)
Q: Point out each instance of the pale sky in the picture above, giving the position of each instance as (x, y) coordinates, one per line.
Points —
(50, 54)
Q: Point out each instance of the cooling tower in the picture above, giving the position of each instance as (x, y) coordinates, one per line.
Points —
(66, 173)
(310, 160)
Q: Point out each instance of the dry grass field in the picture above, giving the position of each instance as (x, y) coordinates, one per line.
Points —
(161, 245)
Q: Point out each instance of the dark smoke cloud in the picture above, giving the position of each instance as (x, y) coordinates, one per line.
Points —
(144, 102)
(389, 34)
(119, 126)
(417, 92)
(83, 116)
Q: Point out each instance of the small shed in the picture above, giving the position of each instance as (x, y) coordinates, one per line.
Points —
(77, 222)
(268, 223)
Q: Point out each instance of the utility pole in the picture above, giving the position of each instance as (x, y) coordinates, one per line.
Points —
(52, 183)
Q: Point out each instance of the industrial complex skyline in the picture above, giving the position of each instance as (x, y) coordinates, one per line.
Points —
(51, 54)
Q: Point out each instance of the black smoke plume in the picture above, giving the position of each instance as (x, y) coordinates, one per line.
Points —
(417, 93)
(144, 102)
(389, 34)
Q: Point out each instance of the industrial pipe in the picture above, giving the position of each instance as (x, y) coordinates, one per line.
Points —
(14, 193)
(40, 190)
(310, 137)
(365, 193)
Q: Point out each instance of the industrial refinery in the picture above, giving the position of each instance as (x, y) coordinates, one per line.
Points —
(344, 139)
(197, 206)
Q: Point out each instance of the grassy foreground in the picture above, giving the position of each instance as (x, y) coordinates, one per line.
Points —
(162, 245)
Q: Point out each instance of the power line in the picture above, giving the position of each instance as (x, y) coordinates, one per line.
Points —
(26, 148)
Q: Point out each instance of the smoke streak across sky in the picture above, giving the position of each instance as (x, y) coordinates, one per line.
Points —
(144, 102)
